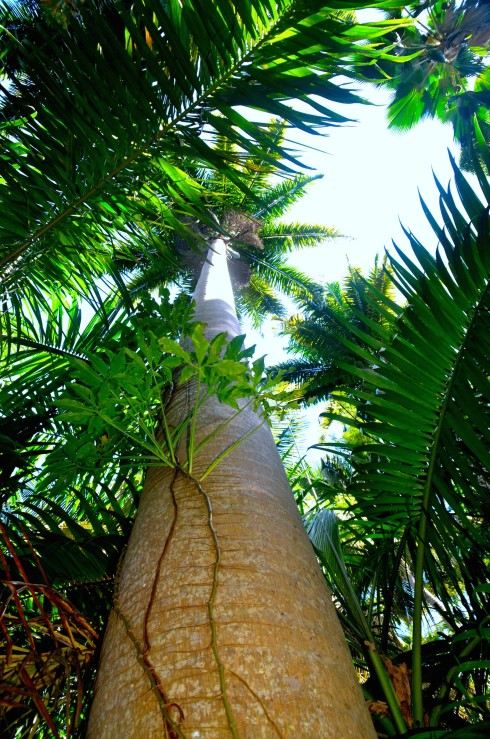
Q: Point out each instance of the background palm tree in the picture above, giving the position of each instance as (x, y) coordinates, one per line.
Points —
(319, 335)
(446, 75)
(407, 555)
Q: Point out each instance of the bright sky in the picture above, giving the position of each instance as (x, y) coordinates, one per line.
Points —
(371, 179)
(371, 182)
(371, 176)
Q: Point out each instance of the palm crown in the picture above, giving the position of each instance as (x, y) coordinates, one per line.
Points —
(446, 75)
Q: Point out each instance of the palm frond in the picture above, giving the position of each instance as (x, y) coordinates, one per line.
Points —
(258, 300)
(281, 276)
(282, 238)
(362, 311)
(423, 406)
(275, 199)
(102, 111)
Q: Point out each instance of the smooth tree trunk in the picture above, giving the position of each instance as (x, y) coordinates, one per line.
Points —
(222, 624)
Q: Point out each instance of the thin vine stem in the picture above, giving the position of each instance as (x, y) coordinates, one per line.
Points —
(210, 605)
(173, 729)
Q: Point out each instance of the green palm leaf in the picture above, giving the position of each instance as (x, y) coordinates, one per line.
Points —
(423, 408)
(104, 104)
(362, 311)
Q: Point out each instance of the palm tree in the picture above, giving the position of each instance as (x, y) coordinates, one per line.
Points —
(446, 75)
(184, 616)
(260, 241)
(319, 336)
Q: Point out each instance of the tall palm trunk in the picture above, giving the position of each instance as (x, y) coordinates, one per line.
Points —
(223, 625)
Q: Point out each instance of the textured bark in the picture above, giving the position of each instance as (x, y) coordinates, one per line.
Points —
(223, 625)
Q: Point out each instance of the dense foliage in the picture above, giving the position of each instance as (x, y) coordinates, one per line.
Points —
(123, 139)
(446, 74)
(407, 553)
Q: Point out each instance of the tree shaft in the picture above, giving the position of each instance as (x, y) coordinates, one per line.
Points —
(223, 625)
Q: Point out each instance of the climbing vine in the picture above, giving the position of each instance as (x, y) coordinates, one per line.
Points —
(122, 403)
